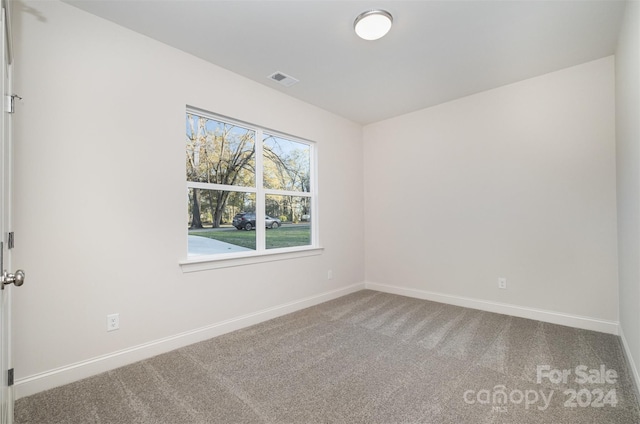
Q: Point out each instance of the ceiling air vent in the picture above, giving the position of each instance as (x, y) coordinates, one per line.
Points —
(283, 79)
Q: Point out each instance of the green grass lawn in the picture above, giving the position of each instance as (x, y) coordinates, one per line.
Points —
(285, 236)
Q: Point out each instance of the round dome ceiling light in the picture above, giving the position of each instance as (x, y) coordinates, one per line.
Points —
(373, 24)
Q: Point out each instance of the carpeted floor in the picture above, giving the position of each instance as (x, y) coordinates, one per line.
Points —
(368, 357)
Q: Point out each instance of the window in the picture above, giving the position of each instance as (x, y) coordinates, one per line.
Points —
(250, 190)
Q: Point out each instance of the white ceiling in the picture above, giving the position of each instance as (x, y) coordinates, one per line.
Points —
(436, 51)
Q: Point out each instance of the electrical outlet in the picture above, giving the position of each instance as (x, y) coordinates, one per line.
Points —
(502, 283)
(329, 274)
(113, 322)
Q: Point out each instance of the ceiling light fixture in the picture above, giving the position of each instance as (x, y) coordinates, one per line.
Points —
(373, 24)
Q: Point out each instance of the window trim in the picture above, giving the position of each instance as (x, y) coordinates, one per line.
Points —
(228, 260)
(194, 263)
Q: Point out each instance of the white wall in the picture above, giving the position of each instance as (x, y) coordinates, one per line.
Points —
(628, 174)
(516, 182)
(100, 198)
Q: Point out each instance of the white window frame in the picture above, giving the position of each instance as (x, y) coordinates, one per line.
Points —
(261, 254)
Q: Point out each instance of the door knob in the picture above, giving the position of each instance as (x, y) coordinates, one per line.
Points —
(16, 279)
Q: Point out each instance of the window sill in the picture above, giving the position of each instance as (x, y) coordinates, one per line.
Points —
(203, 263)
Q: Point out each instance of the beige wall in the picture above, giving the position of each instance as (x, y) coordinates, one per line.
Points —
(100, 196)
(628, 171)
(516, 182)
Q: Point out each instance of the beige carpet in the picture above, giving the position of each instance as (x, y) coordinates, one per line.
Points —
(368, 357)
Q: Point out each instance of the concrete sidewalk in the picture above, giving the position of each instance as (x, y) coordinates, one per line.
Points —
(207, 246)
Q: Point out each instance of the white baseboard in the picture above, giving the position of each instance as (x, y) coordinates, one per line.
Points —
(630, 361)
(576, 321)
(69, 373)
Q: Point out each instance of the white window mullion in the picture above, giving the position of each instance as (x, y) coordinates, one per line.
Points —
(315, 232)
(260, 196)
(288, 193)
(222, 187)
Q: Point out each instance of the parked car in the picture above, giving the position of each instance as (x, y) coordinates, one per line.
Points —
(247, 221)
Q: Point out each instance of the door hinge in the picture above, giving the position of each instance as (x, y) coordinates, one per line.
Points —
(9, 103)
(10, 240)
(10, 377)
